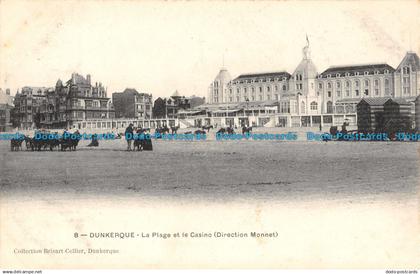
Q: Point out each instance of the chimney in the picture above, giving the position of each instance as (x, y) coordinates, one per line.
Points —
(88, 78)
(8, 91)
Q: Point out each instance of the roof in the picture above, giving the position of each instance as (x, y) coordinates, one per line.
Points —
(307, 68)
(400, 101)
(361, 69)
(410, 58)
(348, 100)
(279, 74)
(379, 101)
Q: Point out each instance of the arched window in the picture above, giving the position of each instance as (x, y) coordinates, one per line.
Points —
(347, 84)
(284, 87)
(329, 85)
(320, 86)
(366, 83)
(329, 107)
(314, 105)
(302, 107)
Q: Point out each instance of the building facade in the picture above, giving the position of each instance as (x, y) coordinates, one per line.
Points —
(169, 107)
(6, 106)
(132, 104)
(309, 98)
(64, 106)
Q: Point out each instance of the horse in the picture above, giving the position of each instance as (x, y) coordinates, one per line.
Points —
(70, 142)
(246, 129)
(230, 130)
(198, 131)
(208, 127)
(16, 144)
(174, 130)
(143, 140)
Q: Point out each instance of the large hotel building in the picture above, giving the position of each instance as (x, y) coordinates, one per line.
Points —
(307, 97)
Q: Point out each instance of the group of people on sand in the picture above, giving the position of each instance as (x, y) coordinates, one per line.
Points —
(133, 141)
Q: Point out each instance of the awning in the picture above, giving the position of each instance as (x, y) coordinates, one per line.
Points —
(226, 111)
(190, 112)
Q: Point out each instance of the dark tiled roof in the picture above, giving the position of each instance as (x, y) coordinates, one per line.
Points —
(411, 57)
(254, 76)
(375, 101)
(401, 101)
(361, 69)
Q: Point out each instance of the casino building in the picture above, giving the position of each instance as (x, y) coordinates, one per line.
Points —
(307, 97)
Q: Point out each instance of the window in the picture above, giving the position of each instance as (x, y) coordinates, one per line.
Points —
(302, 107)
(357, 83)
(356, 93)
(366, 91)
(268, 88)
(237, 90)
(260, 89)
(284, 87)
(253, 90)
(329, 85)
(406, 70)
(230, 91)
(329, 94)
(277, 96)
(260, 97)
(386, 83)
(376, 91)
(347, 93)
(338, 84)
(376, 83)
(276, 88)
(338, 93)
(406, 90)
(366, 83)
(329, 107)
(314, 105)
(320, 85)
(244, 90)
(237, 98)
(268, 97)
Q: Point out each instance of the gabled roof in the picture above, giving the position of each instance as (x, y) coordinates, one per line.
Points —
(361, 69)
(400, 101)
(380, 101)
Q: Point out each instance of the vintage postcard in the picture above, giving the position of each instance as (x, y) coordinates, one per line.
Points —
(209, 134)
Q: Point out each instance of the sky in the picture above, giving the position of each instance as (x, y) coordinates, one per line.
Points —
(160, 47)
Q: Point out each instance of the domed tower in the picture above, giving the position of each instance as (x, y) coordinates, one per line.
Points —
(218, 88)
(302, 82)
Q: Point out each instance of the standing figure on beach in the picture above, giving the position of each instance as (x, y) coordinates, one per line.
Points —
(129, 136)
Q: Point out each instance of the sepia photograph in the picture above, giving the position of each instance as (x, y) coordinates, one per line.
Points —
(209, 135)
